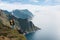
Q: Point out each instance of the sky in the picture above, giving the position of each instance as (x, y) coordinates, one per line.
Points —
(46, 12)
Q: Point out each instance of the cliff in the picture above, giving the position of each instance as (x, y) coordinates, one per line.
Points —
(22, 19)
(23, 23)
(6, 33)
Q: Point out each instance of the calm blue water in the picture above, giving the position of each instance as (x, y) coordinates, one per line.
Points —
(40, 35)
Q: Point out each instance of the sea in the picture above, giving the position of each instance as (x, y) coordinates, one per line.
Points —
(40, 35)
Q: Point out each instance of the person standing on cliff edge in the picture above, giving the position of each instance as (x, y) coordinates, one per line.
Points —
(12, 23)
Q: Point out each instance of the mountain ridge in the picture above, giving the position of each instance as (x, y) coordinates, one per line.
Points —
(25, 25)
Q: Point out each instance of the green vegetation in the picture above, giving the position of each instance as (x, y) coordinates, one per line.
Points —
(6, 33)
(10, 33)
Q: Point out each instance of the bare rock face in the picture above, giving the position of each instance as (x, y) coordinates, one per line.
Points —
(4, 18)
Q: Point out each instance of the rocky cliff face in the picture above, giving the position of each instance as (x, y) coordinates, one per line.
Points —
(27, 26)
(21, 23)
(6, 33)
(22, 19)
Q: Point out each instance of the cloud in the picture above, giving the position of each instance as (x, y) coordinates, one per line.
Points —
(18, 0)
(52, 0)
(34, 0)
(57, 0)
(11, 0)
(48, 1)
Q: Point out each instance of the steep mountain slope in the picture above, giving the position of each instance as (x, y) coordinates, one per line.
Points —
(22, 19)
(11, 34)
(27, 26)
(6, 33)
(4, 18)
(21, 23)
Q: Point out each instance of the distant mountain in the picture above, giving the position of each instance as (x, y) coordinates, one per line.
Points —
(6, 12)
(24, 14)
(21, 19)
